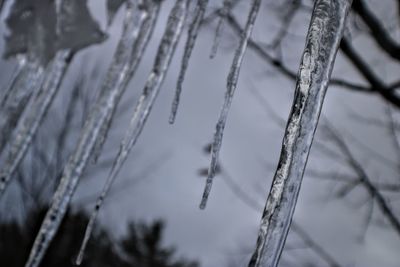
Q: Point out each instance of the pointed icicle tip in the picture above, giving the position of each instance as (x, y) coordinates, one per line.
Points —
(78, 260)
(231, 87)
(190, 43)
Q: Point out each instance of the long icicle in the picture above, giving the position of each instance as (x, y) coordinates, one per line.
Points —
(323, 38)
(31, 120)
(190, 42)
(129, 52)
(230, 90)
(143, 108)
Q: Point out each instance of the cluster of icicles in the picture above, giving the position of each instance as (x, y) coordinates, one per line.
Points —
(37, 80)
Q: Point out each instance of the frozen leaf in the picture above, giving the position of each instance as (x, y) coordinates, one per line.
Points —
(38, 32)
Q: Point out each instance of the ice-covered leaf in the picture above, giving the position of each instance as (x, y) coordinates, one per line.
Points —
(38, 32)
(77, 28)
(32, 26)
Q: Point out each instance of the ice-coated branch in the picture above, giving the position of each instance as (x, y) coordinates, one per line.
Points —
(232, 80)
(126, 58)
(323, 38)
(190, 42)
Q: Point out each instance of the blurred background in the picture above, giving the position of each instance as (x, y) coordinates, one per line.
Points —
(347, 213)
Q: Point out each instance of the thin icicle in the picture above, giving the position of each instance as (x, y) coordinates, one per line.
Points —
(324, 35)
(143, 108)
(31, 120)
(138, 27)
(224, 12)
(190, 42)
(230, 90)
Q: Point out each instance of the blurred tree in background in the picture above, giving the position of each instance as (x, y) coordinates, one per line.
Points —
(142, 246)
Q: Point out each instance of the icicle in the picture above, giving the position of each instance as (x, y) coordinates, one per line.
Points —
(138, 27)
(224, 12)
(190, 42)
(231, 86)
(324, 35)
(102, 136)
(31, 120)
(143, 108)
(27, 78)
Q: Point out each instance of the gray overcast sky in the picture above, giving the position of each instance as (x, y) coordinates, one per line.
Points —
(172, 191)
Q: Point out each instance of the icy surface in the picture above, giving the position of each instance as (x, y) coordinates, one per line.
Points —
(230, 90)
(324, 35)
(190, 42)
(129, 52)
(39, 31)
